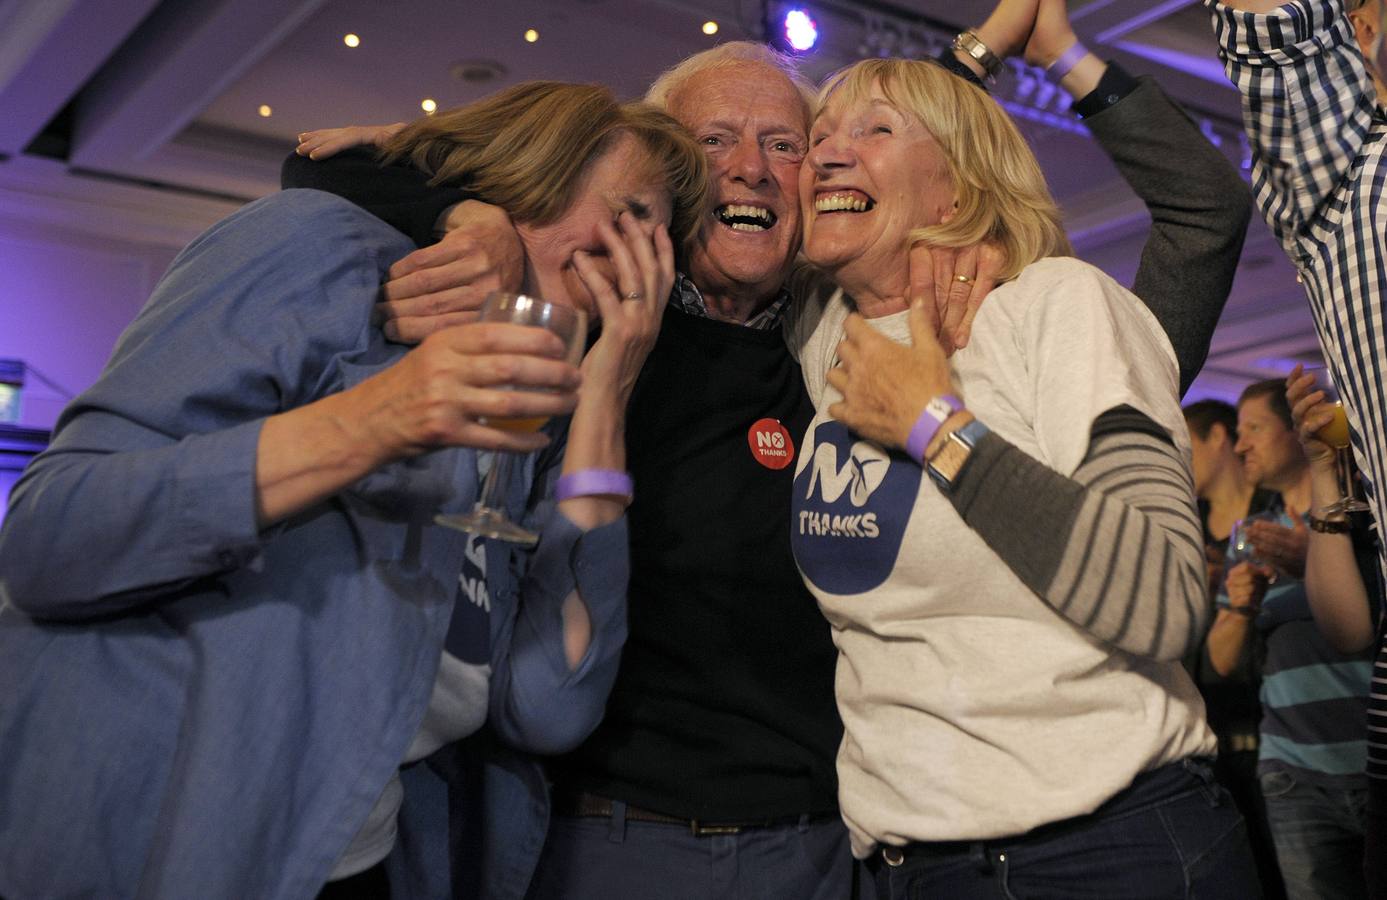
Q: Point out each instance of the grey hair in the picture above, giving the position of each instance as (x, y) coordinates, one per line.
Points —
(732, 53)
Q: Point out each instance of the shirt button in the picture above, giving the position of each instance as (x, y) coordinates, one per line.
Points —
(1111, 99)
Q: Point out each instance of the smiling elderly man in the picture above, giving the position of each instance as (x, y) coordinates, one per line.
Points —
(712, 773)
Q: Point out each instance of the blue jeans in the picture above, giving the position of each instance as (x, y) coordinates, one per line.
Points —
(617, 859)
(1173, 833)
(1319, 836)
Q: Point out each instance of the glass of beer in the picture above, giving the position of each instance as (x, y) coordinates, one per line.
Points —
(1336, 435)
(488, 518)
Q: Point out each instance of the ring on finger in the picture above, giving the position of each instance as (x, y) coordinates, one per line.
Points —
(963, 279)
(634, 295)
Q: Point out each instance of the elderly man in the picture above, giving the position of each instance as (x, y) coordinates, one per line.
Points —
(712, 773)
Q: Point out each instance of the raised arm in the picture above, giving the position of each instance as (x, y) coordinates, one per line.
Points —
(1198, 202)
(1199, 205)
(441, 284)
(399, 195)
(1334, 584)
(1308, 101)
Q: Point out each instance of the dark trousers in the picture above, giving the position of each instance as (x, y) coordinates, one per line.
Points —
(604, 859)
(1319, 837)
(369, 885)
(1238, 773)
(1173, 834)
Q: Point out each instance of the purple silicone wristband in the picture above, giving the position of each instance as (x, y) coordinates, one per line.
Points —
(928, 423)
(1055, 72)
(587, 482)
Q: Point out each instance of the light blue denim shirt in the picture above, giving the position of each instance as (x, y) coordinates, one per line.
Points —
(192, 707)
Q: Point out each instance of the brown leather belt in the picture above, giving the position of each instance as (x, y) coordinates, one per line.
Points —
(582, 804)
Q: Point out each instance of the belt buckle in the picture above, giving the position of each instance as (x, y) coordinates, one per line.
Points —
(703, 830)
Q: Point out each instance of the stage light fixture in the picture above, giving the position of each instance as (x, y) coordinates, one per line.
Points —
(800, 30)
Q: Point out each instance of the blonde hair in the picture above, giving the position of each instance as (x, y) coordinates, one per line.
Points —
(664, 93)
(527, 148)
(1001, 193)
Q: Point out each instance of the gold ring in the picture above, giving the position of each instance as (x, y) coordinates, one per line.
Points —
(963, 279)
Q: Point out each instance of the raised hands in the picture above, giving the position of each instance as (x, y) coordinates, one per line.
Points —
(327, 142)
(1310, 411)
(1051, 33)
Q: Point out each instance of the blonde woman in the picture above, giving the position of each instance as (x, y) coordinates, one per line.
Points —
(228, 625)
(1005, 541)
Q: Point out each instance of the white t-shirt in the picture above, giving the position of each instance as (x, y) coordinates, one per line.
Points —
(972, 709)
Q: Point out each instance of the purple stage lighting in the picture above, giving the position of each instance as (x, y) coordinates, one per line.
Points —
(801, 31)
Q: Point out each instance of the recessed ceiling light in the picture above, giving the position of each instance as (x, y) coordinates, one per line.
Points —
(710, 27)
(265, 111)
(531, 35)
(428, 105)
(351, 40)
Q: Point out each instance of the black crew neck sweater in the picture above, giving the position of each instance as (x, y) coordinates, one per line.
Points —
(723, 707)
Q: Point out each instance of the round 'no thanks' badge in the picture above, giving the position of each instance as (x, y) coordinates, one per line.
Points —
(770, 444)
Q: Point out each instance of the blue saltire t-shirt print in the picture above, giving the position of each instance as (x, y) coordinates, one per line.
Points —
(851, 505)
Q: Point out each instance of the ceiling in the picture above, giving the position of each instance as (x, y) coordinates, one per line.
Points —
(109, 103)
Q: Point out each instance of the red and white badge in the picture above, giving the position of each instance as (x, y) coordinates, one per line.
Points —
(771, 445)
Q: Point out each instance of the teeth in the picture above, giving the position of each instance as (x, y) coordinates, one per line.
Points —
(746, 226)
(837, 202)
(747, 212)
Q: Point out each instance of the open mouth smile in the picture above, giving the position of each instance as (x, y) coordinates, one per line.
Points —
(741, 217)
(843, 201)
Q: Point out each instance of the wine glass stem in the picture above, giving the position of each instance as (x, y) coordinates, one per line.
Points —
(494, 488)
(1345, 474)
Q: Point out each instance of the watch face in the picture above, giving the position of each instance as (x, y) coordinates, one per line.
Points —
(950, 459)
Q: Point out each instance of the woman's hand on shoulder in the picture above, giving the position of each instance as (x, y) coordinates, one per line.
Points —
(886, 385)
(950, 283)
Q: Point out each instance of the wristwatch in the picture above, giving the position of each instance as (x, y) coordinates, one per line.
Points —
(971, 44)
(1326, 527)
(948, 461)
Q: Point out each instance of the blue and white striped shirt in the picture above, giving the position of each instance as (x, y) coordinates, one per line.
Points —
(1318, 175)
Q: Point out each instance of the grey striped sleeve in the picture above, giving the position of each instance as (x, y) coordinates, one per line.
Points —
(1117, 548)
